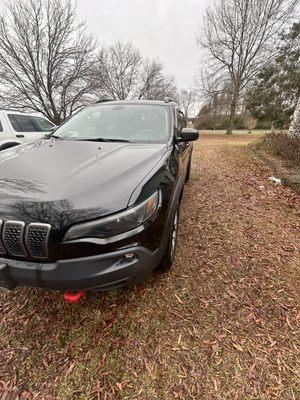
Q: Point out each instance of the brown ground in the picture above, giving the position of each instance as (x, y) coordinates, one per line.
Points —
(221, 325)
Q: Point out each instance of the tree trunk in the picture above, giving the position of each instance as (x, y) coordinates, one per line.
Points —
(231, 116)
(214, 119)
(272, 127)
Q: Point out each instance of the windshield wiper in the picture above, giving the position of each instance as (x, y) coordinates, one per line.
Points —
(51, 135)
(56, 137)
(105, 140)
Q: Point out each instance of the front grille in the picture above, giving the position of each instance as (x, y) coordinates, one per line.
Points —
(2, 248)
(18, 240)
(13, 238)
(37, 236)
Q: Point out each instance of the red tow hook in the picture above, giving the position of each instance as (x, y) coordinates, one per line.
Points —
(73, 297)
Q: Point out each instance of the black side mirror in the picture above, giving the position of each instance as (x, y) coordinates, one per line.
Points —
(188, 135)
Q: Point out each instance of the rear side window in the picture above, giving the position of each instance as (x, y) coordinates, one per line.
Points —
(1, 127)
(22, 123)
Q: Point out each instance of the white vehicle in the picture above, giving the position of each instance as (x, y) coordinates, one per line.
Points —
(17, 128)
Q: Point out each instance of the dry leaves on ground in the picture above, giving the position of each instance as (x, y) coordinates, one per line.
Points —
(223, 324)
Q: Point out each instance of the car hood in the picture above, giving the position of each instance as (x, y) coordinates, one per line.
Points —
(62, 182)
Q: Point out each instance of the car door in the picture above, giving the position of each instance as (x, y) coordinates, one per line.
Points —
(25, 129)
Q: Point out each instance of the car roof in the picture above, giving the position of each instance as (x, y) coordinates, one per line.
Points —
(5, 112)
(21, 113)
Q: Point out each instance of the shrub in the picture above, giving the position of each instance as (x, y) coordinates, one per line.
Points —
(264, 125)
(250, 122)
(284, 145)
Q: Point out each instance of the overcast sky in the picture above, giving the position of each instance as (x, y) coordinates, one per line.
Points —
(162, 29)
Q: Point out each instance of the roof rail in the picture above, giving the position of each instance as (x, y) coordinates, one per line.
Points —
(169, 100)
(103, 101)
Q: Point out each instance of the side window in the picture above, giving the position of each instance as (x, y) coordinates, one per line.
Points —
(22, 123)
(1, 127)
(14, 123)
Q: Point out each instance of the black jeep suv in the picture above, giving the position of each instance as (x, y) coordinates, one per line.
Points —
(95, 204)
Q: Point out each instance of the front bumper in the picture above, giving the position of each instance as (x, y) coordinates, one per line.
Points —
(102, 272)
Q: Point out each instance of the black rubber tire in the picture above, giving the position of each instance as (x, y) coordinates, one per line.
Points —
(170, 252)
(188, 172)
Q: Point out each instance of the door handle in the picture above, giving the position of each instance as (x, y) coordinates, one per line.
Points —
(20, 136)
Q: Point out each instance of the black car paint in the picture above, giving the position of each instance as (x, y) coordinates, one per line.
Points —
(67, 182)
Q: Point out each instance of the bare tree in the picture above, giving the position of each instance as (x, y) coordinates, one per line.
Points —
(45, 58)
(151, 76)
(118, 70)
(122, 73)
(154, 83)
(214, 93)
(239, 37)
(187, 100)
(166, 87)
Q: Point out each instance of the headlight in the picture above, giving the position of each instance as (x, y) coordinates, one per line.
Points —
(117, 223)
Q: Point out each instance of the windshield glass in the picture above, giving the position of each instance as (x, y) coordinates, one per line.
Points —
(43, 124)
(142, 123)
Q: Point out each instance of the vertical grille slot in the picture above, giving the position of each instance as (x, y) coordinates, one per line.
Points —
(2, 248)
(36, 238)
(13, 235)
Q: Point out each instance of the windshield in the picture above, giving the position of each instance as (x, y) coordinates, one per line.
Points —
(130, 122)
(43, 124)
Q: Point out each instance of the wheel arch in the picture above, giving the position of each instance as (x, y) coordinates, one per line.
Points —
(7, 144)
(174, 201)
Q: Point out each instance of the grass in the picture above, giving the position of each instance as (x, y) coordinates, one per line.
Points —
(242, 132)
(223, 324)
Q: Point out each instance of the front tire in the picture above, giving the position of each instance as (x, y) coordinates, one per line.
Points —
(188, 172)
(170, 252)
